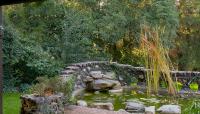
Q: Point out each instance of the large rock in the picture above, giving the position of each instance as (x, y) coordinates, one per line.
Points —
(150, 110)
(82, 103)
(169, 109)
(107, 106)
(102, 84)
(135, 107)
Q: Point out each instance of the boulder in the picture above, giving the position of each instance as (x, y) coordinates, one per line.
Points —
(102, 84)
(82, 103)
(135, 107)
(150, 110)
(107, 106)
(169, 109)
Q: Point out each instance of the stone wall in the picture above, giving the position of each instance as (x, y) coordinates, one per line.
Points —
(125, 74)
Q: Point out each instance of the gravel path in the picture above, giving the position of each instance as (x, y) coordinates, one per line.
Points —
(85, 110)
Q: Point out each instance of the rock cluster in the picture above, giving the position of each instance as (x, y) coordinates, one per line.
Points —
(98, 75)
(134, 107)
(35, 104)
(99, 81)
(84, 71)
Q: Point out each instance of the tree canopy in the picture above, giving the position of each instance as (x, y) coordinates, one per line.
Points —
(42, 37)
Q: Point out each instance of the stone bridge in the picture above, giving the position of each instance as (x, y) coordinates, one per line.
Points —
(125, 74)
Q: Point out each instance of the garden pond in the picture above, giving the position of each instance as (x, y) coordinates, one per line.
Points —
(188, 105)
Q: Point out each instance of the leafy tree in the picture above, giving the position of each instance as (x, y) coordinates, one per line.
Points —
(188, 41)
(115, 25)
(42, 37)
(24, 60)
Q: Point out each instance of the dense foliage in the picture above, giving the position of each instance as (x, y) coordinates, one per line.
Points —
(115, 25)
(188, 40)
(41, 38)
(24, 60)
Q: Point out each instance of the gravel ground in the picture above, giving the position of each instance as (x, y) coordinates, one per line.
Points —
(85, 110)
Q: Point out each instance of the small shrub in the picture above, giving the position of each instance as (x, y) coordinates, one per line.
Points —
(53, 85)
(178, 85)
(194, 86)
(24, 87)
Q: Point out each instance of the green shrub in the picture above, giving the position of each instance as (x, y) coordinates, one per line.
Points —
(24, 60)
(194, 86)
(178, 85)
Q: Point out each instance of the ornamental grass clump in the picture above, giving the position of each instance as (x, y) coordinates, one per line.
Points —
(156, 61)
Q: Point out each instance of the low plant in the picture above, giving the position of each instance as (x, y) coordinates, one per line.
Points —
(193, 108)
(178, 85)
(163, 84)
(133, 84)
(194, 86)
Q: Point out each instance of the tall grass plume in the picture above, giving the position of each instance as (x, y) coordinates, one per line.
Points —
(156, 60)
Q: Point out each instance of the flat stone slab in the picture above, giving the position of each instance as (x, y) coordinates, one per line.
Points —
(85, 110)
(134, 106)
(170, 109)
